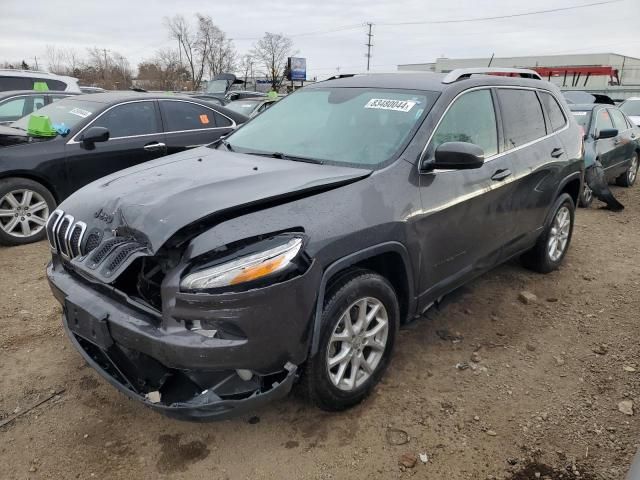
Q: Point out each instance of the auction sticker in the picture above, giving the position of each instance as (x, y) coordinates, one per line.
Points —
(80, 112)
(387, 104)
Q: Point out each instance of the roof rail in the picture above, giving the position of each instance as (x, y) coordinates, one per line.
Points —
(462, 73)
(22, 70)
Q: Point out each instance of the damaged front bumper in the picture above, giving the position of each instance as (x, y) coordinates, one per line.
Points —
(179, 372)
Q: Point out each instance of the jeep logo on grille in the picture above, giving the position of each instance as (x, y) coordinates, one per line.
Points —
(104, 216)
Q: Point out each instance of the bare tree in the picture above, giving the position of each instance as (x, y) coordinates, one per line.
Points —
(163, 71)
(246, 67)
(272, 51)
(222, 56)
(195, 43)
(63, 61)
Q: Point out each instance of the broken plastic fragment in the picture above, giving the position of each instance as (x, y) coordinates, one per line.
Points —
(153, 397)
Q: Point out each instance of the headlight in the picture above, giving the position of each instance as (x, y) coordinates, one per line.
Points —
(244, 269)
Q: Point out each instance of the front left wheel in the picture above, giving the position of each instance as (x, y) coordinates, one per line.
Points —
(359, 324)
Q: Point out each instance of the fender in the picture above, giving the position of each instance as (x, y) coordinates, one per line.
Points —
(352, 259)
(563, 183)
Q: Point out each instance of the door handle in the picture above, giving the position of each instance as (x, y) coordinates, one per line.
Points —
(557, 152)
(152, 147)
(501, 175)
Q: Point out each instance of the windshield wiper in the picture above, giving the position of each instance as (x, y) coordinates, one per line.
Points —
(224, 142)
(284, 156)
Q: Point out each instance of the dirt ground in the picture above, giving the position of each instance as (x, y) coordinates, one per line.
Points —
(542, 396)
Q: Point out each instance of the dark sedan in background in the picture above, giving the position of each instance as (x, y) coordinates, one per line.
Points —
(611, 139)
(107, 132)
(15, 104)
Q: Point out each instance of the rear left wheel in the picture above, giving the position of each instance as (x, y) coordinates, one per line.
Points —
(586, 198)
(628, 178)
(360, 321)
(24, 209)
(553, 244)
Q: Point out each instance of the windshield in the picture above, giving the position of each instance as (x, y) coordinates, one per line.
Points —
(69, 111)
(583, 117)
(217, 86)
(244, 107)
(631, 108)
(353, 126)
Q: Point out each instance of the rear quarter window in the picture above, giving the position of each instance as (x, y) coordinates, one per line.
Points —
(554, 111)
(521, 116)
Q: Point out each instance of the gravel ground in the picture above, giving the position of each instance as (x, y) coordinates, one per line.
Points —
(485, 386)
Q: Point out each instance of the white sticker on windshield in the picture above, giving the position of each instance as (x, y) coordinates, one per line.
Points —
(80, 112)
(579, 114)
(395, 105)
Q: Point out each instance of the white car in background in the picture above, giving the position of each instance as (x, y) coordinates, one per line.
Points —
(631, 106)
(13, 79)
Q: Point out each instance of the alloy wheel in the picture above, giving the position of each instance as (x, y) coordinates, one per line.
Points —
(587, 195)
(633, 170)
(357, 344)
(23, 213)
(559, 234)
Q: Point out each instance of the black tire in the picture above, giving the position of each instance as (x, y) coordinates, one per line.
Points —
(539, 258)
(350, 288)
(586, 197)
(628, 178)
(11, 236)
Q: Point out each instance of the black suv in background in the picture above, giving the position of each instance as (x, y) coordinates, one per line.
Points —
(205, 283)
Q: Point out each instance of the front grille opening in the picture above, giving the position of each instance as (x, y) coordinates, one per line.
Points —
(142, 281)
(121, 255)
(105, 249)
(74, 240)
(60, 240)
(93, 240)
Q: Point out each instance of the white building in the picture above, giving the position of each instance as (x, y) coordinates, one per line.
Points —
(610, 73)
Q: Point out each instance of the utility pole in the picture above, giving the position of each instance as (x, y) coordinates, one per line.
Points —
(369, 45)
(104, 69)
(36, 61)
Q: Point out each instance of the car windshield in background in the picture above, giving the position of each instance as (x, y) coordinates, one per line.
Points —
(353, 126)
(245, 107)
(583, 117)
(68, 111)
(631, 108)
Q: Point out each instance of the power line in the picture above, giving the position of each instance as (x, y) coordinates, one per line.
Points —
(498, 17)
(306, 34)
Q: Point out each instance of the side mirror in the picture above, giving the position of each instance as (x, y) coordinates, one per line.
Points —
(456, 156)
(607, 133)
(93, 135)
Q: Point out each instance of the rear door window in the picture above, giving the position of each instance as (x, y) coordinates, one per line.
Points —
(180, 116)
(53, 84)
(15, 83)
(472, 119)
(554, 111)
(618, 119)
(521, 116)
(130, 119)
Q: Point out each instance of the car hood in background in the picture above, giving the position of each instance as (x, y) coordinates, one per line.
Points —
(635, 119)
(154, 200)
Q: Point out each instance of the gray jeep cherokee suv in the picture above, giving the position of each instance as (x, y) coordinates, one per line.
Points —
(207, 283)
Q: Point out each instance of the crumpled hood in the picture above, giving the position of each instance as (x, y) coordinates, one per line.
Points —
(156, 199)
(13, 136)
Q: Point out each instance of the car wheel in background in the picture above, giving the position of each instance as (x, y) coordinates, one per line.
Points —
(586, 197)
(553, 243)
(359, 324)
(628, 178)
(24, 209)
